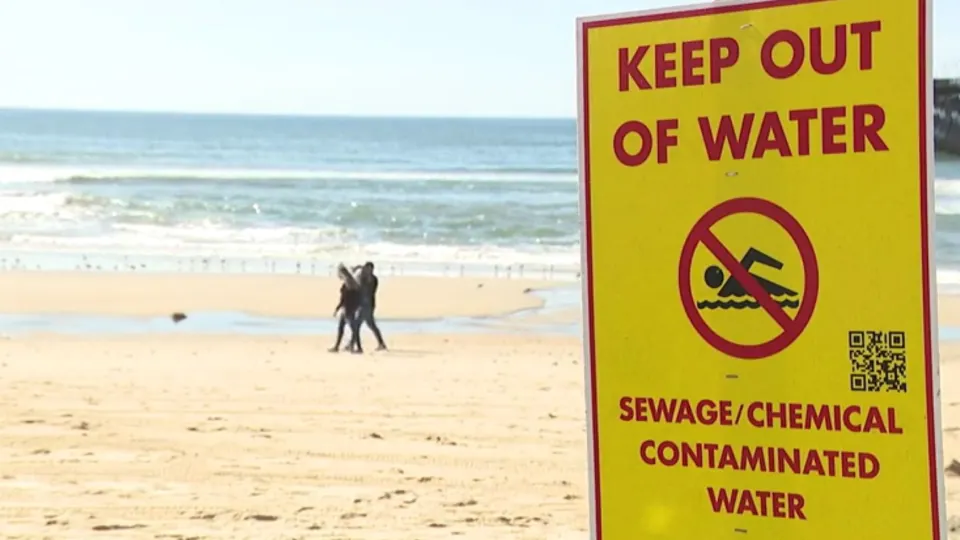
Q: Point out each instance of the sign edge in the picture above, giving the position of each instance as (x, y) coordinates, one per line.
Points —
(931, 337)
(585, 22)
(586, 285)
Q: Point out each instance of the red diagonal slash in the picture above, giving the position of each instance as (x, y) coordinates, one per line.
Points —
(749, 283)
(700, 234)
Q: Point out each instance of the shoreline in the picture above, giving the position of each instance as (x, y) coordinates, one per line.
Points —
(555, 317)
(106, 304)
(160, 294)
(281, 304)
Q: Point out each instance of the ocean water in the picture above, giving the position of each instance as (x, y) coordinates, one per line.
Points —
(77, 186)
(441, 191)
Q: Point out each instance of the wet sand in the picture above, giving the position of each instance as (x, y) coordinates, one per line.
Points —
(127, 293)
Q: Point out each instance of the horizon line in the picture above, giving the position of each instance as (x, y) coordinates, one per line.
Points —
(255, 114)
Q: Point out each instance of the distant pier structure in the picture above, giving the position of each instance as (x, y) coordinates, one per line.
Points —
(946, 115)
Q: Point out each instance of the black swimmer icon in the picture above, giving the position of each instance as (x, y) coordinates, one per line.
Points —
(734, 285)
(730, 287)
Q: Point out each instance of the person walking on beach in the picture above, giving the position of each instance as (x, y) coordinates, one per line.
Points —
(368, 303)
(347, 310)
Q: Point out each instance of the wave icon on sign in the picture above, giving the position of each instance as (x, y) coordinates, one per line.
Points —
(744, 304)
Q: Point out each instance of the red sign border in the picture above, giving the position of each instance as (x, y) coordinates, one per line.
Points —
(811, 277)
(924, 144)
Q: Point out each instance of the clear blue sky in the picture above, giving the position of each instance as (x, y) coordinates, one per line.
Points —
(356, 57)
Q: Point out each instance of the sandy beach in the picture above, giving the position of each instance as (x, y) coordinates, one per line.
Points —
(232, 436)
(228, 436)
(950, 403)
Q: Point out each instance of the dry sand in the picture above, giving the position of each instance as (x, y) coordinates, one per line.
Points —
(950, 420)
(179, 436)
(234, 437)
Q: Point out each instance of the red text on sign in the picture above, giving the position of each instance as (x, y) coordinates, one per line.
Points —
(761, 414)
(853, 418)
(705, 411)
(791, 133)
(644, 140)
(812, 49)
(766, 459)
(748, 502)
(674, 65)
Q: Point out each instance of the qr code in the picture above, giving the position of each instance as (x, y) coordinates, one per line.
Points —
(878, 361)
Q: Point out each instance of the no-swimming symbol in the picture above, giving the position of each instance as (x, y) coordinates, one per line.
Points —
(730, 288)
(739, 288)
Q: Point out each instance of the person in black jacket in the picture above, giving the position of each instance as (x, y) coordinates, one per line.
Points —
(348, 309)
(368, 303)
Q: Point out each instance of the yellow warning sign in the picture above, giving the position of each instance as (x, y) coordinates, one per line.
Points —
(760, 319)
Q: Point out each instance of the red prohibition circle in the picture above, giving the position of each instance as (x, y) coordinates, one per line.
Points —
(791, 328)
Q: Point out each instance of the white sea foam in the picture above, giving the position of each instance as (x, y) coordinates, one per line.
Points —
(25, 174)
(32, 205)
(948, 280)
(281, 242)
(37, 222)
(947, 187)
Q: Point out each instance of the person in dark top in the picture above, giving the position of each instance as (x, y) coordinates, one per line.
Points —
(348, 309)
(368, 303)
